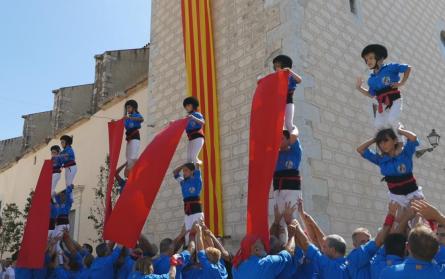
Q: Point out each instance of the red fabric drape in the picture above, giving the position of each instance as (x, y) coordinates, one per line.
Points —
(266, 125)
(132, 208)
(32, 249)
(115, 134)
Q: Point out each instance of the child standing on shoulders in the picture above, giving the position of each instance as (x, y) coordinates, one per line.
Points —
(284, 62)
(396, 164)
(133, 120)
(384, 84)
(194, 129)
(191, 185)
(57, 168)
(68, 159)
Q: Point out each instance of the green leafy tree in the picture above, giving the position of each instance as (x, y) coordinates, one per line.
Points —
(28, 205)
(11, 230)
(97, 211)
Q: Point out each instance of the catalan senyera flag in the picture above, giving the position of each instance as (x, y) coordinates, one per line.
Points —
(201, 83)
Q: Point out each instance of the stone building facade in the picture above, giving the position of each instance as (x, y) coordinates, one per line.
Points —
(325, 39)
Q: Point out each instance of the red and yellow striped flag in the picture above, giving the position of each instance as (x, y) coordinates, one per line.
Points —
(201, 83)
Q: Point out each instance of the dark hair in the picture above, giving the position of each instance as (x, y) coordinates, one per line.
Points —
(102, 250)
(131, 103)
(336, 242)
(423, 243)
(165, 245)
(190, 166)
(382, 135)
(191, 101)
(286, 134)
(284, 61)
(88, 247)
(395, 244)
(88, 260)
(55, 148)
(379, 51)
(68, 140)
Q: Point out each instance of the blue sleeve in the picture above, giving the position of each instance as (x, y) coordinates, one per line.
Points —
(400, 68)
(320, 260)
(185, 255)
(198, 115)
(156, 276)
(137, 115)
(203, 259)
(371, 157)
(114, 256)
(361, 256)
(197, 174)
(276, 263)
(61, 273)
(410, 147)
(298, 256)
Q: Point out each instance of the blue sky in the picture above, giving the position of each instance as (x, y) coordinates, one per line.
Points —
(48, 44)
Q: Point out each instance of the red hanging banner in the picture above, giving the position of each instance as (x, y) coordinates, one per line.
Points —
(133, 206)
(266, 126)
(34, 242)
(115, 134)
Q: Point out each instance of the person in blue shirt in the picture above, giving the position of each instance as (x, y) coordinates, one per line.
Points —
(331, 263)
(210, 258)
(280, 63)
(252, 261)
(384, 84)
(396, 163)
(57, 167)
(422, 247)
(191, 185)
(102, 266)
(144, 269)
(286, 179)
(440, 256)
(68, 160)
(167, 248)
(132, 123)
(125, 264)
(392, 253)
(194, 129)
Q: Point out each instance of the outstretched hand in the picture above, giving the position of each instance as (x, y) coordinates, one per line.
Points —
(426, 210)
(289, 212)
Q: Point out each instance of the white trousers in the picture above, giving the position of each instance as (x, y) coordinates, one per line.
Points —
(289, 117)
(193, 148)
(54, 181)
(281, 197)
(132, 150)
(70, 173)
(404, 200)
(189, 220)
(58, 232)
(389, 118)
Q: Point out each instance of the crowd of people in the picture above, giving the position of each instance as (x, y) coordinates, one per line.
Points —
(409, 244)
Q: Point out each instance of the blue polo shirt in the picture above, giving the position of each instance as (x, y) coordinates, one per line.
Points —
(291, 269)
(328, 268)
(31, 273)
(139, 275)
(413, 269)
(359, 260)
(161, 264)
(192, 272)
(307, 270)
(440, 256)
(103, 267)
(190, 186)
(381, 261)
(57, 163)
(132, 124)
(67, 154)
(388, 73)
(211, 270)
(289, 159)
(292, 84)
(399, 165)
(192, 124)
(267, 267)
(64, 208)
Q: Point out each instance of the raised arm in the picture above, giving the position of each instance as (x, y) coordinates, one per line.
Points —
(148, 247)
(405, 217)
(69, 243)
(389, 221)
(362, 148)
(314, 231)
(218, 245)
(428, 211)
(405, 77)
(275, 227)
(177, 170)
(408, 134)
(290, 245)
(179, 240)
(200, 120)
(296, 76)
(361, 89)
